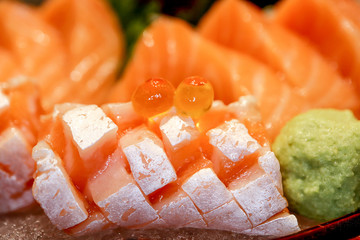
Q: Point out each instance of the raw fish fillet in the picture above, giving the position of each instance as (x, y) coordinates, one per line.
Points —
(20, 121)
(332, 27)
(171, 49)
(171, 171)
(32, 47)
(241, 26)
(63, 46)
(94, 45)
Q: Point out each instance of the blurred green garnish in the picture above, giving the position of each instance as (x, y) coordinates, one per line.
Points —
(134, 16)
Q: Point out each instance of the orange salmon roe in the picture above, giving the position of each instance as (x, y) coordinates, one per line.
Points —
(153, 97)
(194, 96)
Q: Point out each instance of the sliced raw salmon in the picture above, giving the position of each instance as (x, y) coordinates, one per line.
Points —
(136, 184)
(333, 27)
(171, 49)
(33, 45)
(19, 116)
(94, 45)
(241, 26)
(7, 62)
(64, 46)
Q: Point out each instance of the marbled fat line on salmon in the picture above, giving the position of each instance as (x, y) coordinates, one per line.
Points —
(137, 186)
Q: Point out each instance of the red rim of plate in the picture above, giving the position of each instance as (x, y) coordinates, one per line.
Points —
(345, 227)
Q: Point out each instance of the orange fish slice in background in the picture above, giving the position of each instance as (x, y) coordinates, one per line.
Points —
(33, 46)
(63, 46)
(20, 122)
(333, 27)
(7, 62)
(146, 190)
(171, 49)
(94, 46)
(241, 26)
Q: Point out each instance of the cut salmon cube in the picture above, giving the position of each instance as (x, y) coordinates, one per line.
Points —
(233, 140)
(15, 199)
(61, 143)
(19, 117)
(258, 195)
(246, 110)
(90, 129)
(128, 207)
(206, 190)
(122, 202)
(178, 131)
(15, 155)
(178, 210)
(148, 161)
(15, 194)
(16, 169)
(228, 217)
(123, 115)
(269, 163)
(54, 190)
(181, 139)
(279, 225)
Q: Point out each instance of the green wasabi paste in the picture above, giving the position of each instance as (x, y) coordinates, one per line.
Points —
(319, 155)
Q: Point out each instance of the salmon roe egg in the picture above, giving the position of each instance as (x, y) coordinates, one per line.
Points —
(153, 97)
(194, 96)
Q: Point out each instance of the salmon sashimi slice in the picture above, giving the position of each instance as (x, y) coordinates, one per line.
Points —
(136, 184)
(241, 26)
(7, 62)
(231, 74)
(94, 45)
(33, 45)
(333, 27)
(64, 46)
(20, 121)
